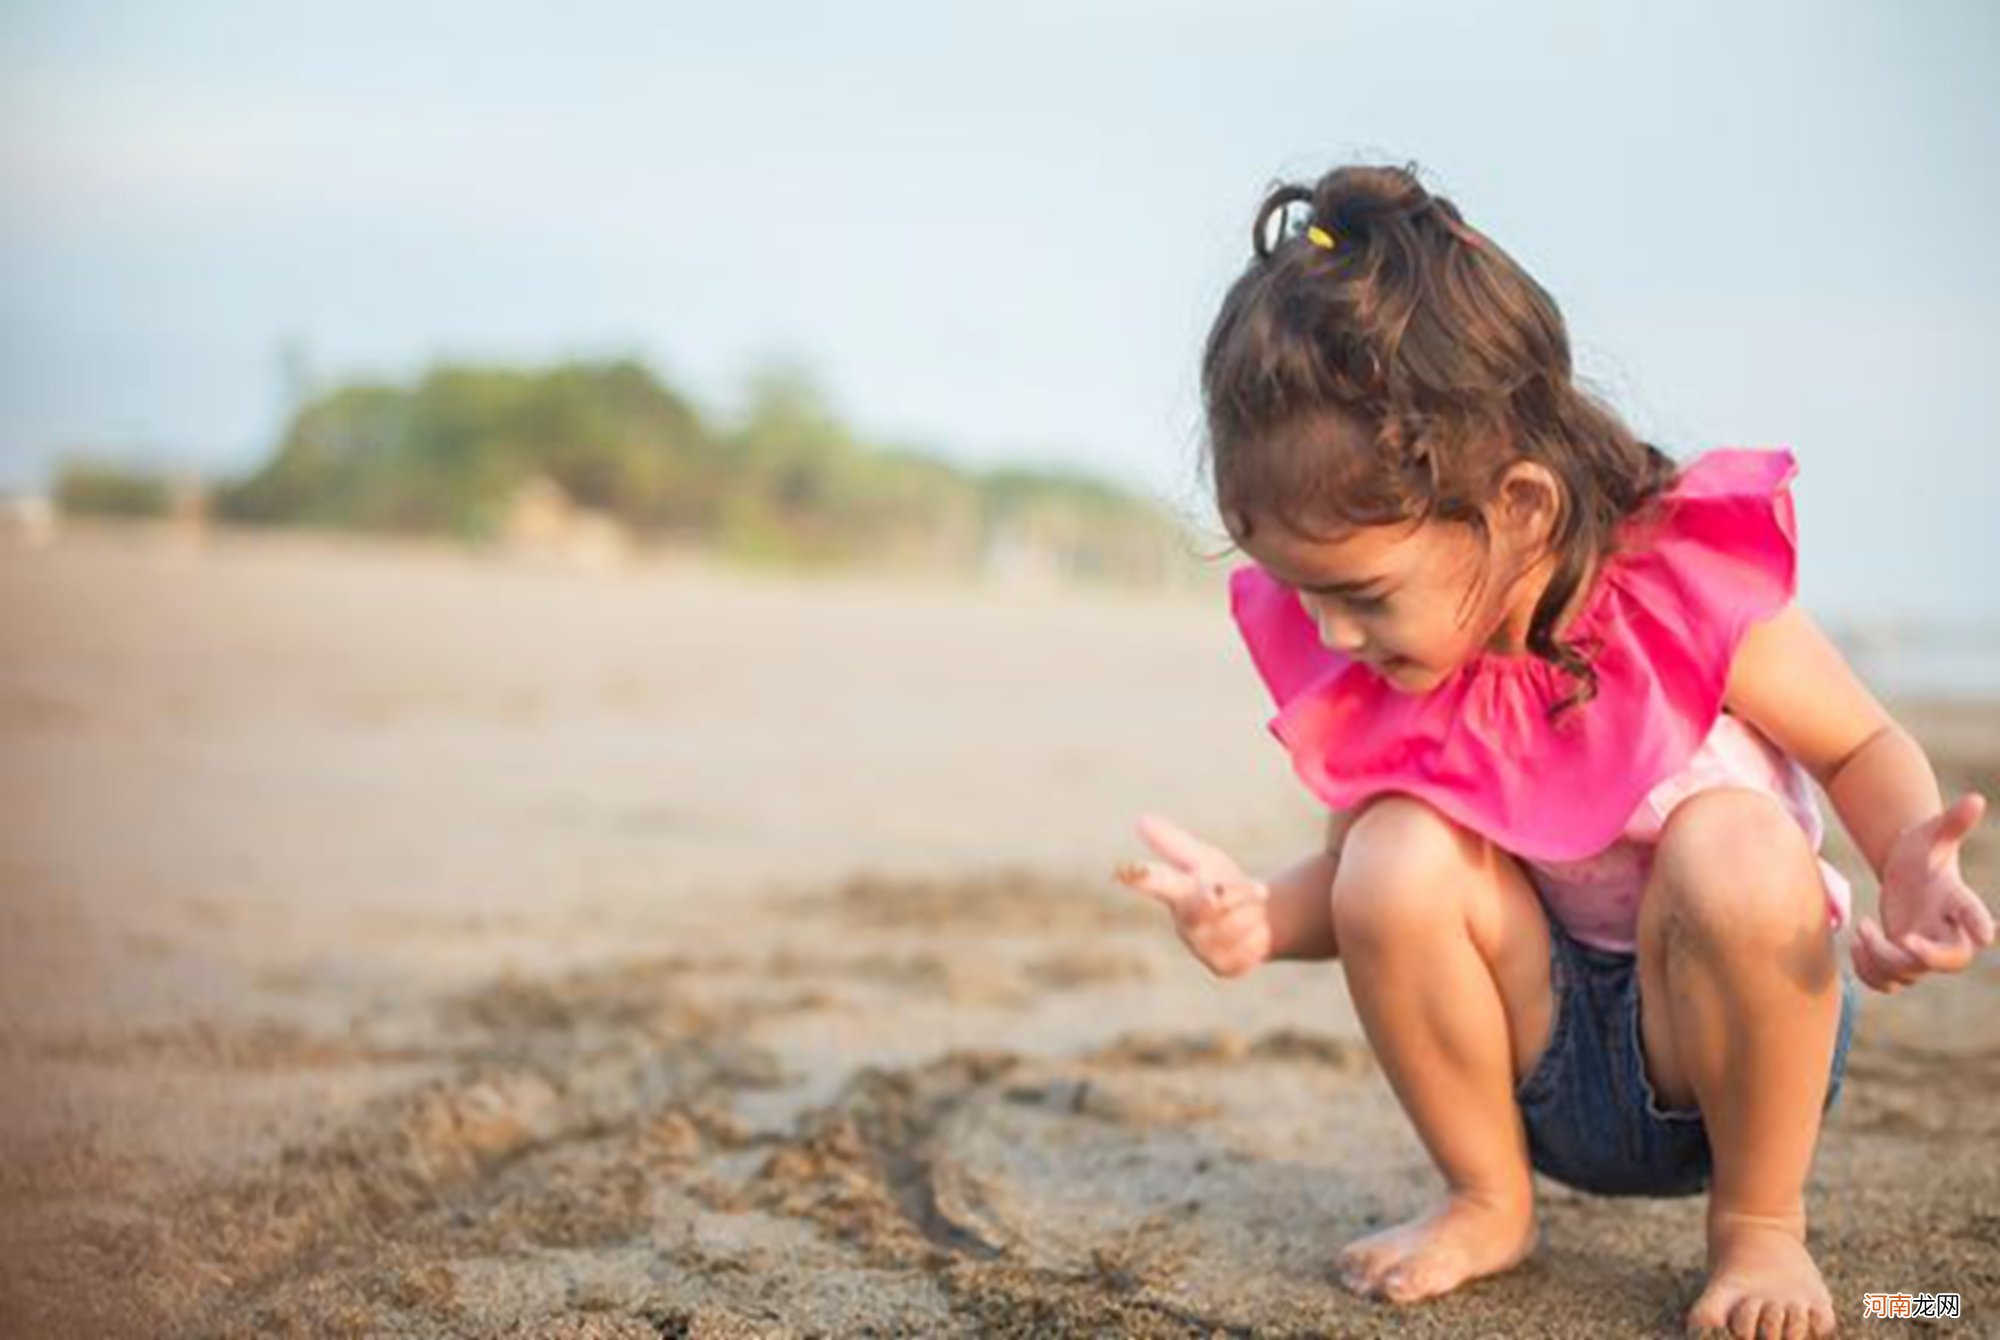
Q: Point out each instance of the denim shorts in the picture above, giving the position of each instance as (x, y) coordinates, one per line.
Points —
(1593, 1120)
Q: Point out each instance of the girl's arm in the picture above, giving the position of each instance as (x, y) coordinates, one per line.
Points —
(1791, 682)
(1301, 906)
(1881, 789)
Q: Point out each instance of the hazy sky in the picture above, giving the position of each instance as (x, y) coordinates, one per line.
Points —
(1002, 230)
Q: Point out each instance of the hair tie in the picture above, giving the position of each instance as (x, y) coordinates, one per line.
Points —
(1319, 237)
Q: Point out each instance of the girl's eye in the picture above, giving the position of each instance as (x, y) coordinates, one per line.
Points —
(1369, 603)
(1354, 602)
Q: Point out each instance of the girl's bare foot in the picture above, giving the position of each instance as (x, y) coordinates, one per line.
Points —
(1462, 1239)
(1761, 1280)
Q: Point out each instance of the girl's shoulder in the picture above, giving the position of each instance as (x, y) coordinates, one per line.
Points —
(1719, 553)
(1661, 623)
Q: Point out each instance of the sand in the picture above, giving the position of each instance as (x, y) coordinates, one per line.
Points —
(402, 942)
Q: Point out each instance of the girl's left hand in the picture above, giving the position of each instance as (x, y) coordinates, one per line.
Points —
(1931, 921)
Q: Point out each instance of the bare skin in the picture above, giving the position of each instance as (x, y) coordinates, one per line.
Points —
(1733, 894)
(1415, 897)
(1446, 943)
(1736, 947)
(1453, 1052)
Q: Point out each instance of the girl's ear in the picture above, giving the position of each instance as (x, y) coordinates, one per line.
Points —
(1529, 504)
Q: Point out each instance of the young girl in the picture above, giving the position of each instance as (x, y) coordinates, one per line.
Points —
(1554, 688)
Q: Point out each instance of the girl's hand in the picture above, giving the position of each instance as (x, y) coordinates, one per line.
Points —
(1222, 914)
(1931, 921)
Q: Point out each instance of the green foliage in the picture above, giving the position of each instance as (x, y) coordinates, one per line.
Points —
(449, 453)
(86, 485)
(787, 484)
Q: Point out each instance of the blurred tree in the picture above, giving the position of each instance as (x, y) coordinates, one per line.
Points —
(99, 487)
(450, 453)
(787, 483)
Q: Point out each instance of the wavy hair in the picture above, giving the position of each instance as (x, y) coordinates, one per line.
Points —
(1397, 376)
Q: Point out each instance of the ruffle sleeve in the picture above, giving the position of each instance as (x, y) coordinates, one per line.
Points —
(1667, 609)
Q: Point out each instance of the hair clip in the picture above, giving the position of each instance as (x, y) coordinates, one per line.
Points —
(1319, 237)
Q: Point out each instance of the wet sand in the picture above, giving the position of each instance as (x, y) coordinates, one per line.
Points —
(401, 943)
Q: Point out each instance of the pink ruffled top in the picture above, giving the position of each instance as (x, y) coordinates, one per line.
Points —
(1581, 801)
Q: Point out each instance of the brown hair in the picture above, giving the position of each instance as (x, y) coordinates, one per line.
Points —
(1397, 377)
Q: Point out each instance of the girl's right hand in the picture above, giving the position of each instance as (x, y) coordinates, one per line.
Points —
(1222, 914)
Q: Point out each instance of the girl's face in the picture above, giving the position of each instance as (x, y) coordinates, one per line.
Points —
(1401, 598)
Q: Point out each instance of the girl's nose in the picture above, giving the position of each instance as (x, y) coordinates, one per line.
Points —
(1339, 634)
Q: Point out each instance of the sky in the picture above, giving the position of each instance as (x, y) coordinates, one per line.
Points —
(1000, 232)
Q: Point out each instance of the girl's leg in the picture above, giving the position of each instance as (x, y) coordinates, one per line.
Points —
(1740, 1005)
(1446, 949)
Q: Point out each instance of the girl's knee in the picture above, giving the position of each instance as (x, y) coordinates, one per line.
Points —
(1405, 868)
(1730, 864)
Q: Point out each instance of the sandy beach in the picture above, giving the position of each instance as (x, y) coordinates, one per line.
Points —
(397, 941)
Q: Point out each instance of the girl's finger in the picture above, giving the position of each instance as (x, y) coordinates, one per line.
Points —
(1936, 956)
(1183, 848)
(1972, 917)
(1869, 968)
(1898, 963)
(1857, 949)
(1884, 948)
(1244, 893)
(1865, 964)
(1956, 822)
(1210, 896)
(1165, 887)
(1976, 810)
(1866, 972)
(1903, 965)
